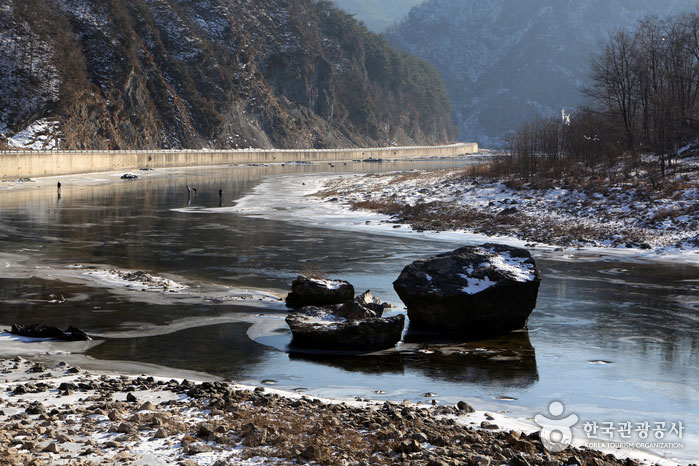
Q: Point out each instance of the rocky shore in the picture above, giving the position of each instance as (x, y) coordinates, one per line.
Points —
(64, 415)
(627, 214)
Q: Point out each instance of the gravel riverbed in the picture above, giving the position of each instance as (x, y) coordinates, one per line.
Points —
(64, 415)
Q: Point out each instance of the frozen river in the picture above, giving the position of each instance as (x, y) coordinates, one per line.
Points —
(616, 340)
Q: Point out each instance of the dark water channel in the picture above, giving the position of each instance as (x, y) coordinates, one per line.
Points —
(615, 340)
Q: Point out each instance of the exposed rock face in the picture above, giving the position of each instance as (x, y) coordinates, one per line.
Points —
(227, 74)
(306, 291)
(353, 325)
(472, 291)
(46, 331)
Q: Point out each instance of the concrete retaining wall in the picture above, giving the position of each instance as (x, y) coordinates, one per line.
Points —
(31, 164)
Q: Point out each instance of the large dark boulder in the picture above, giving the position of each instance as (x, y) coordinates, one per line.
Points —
(355, 325)
(473, 291)
(307, 291)
(47, 331)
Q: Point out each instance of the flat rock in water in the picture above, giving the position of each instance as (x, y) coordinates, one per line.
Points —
(353, 325)
(315, 328)
(474, 291)
(307, 291)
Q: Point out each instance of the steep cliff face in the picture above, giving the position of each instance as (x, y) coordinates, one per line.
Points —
(506, 61)
(207, 73)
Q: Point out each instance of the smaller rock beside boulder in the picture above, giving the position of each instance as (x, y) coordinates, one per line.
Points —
(307, 291)
(353, 325)
(370, 301)
(47, 331)
(315, 327)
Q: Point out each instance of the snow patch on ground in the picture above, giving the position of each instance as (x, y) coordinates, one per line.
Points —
(621, 217)
(312, 200)
(137, 280)
(90, 434)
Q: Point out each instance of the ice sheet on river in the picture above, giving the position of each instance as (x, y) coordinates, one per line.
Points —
(292, 198)
(137, 286)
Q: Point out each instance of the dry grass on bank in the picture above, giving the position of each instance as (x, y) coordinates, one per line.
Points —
(644, 176)
(443, 216)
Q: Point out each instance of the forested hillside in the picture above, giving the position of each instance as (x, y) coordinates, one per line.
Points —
(208, 73)
(505, 61)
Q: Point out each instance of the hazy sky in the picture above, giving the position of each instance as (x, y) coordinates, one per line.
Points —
(377, 14)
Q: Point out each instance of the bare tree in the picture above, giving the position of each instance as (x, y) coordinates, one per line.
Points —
(645, 96)
(615, 82)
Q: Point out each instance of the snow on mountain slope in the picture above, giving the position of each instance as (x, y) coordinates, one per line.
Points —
(26, 61)
(208, 73)
(40, 135)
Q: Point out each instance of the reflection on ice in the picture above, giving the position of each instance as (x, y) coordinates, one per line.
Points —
(505, 361)
(508, 361)
(223, 350)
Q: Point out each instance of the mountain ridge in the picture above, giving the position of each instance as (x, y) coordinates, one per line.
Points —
(208, 74)
(506, 61)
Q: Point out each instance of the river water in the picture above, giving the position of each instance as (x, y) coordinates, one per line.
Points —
(614, 339)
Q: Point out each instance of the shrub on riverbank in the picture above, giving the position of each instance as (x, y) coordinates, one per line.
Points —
(643, 100)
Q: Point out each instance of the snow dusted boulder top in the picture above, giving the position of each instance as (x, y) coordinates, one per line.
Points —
(306, 291)
(473, 291)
